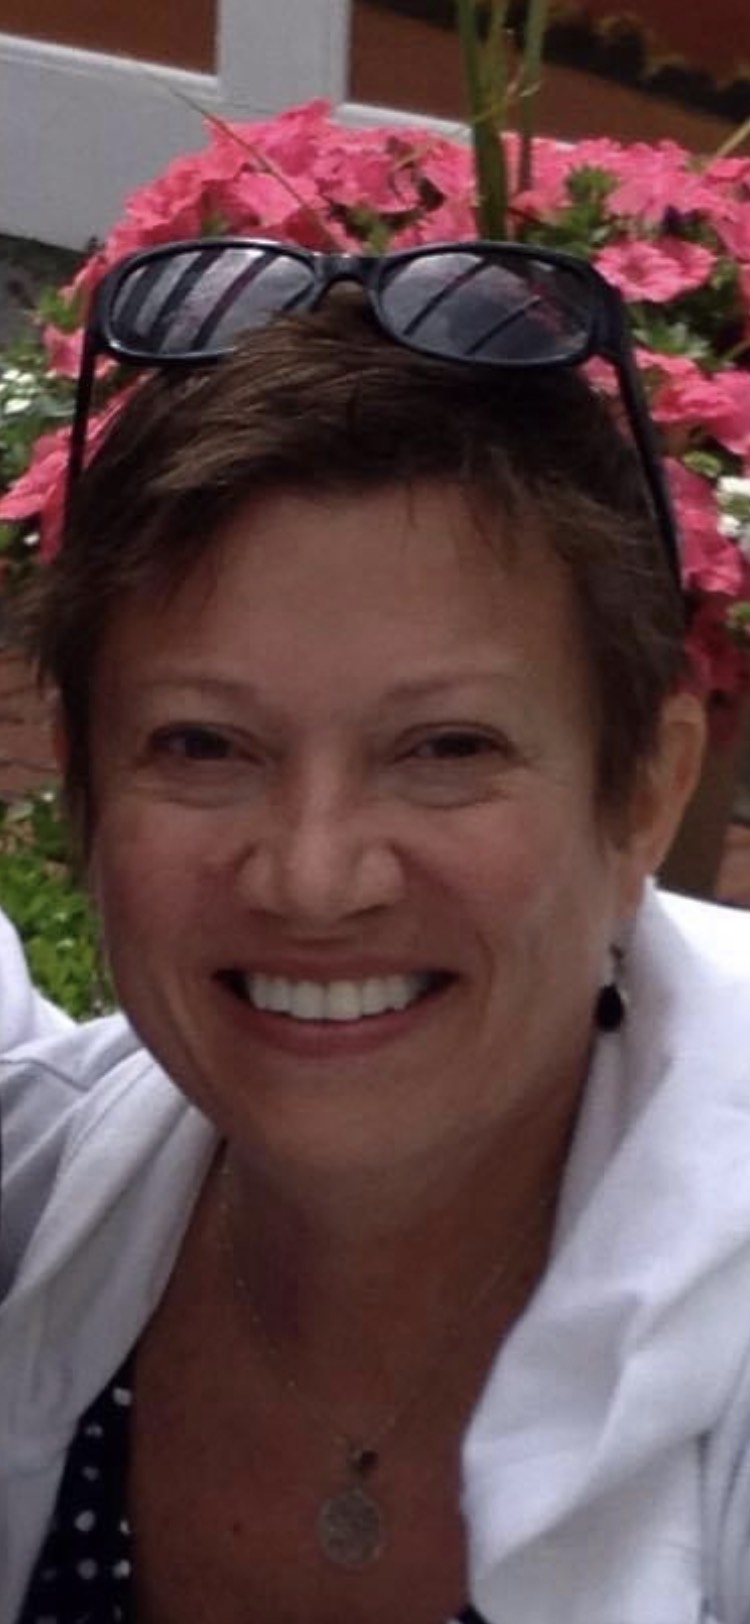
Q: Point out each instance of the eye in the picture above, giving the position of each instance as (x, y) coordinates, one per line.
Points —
(192, 741)
(203, 764)
(457, 744)
(454, 766)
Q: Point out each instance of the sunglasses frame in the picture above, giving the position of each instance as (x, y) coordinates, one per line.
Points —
(608, 336)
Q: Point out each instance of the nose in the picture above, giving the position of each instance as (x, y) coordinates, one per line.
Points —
(321, 861)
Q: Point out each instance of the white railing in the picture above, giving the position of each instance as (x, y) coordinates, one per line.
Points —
(78, 130)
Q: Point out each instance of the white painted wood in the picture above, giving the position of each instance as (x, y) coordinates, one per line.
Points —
(79, 130)
(276, 52)
(368, 113)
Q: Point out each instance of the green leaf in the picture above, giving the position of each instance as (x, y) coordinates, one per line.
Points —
(63, 310)
(48, 907)
(710, 464)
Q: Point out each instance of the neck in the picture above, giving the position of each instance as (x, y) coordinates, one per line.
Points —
(362, 1276)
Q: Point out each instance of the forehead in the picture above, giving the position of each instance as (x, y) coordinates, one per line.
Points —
(378, 583)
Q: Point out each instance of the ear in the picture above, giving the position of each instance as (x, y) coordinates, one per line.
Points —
(664, 785)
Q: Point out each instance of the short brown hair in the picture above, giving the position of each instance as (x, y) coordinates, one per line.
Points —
(325, 403)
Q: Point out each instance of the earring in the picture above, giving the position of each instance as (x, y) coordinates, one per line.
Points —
(611, 1004)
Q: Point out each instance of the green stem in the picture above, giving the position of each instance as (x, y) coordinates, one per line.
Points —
(731, 356)
(530, 79)
(265, 165)
(734, 140)
(496, 59)
(485, 76)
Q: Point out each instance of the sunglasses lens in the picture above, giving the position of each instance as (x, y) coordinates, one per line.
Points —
(198, 301)
(495, 307)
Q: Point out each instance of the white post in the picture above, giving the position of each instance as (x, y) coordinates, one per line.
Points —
(273, 53)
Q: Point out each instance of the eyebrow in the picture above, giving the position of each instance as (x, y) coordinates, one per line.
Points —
(411, 688)
(183, 682)
(185, 689)
(467, 677)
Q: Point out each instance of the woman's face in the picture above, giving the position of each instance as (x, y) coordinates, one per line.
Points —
(356, 891)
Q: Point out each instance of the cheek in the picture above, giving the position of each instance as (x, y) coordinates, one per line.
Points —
(538, 886)
(150, 878)
(523, 853)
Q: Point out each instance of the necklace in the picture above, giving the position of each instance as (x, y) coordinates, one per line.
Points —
(350, 1525)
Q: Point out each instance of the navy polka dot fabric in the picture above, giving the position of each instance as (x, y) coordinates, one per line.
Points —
(84, 1571)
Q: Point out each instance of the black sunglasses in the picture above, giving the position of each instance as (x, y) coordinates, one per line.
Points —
(509, 305)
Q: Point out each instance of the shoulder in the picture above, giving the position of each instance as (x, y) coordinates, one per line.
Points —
(717, 935)
(105, 1158)
(689, 964)
(55, 1092)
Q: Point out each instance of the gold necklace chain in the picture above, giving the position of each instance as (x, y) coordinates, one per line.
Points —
(351, 1523)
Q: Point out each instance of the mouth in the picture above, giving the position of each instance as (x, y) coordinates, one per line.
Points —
(338, 1001)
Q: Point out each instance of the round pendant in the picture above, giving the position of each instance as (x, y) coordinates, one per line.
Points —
(351, 1530)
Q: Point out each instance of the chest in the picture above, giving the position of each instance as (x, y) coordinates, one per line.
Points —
(228, 1499)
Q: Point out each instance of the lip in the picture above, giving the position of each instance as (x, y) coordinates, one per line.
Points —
(319, 1039)
(299, 968)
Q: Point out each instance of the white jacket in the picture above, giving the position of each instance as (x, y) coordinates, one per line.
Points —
(607, 1466)
(24, 1014)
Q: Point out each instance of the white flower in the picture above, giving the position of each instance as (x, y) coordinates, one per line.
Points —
(733, 496)
(22, 380)
(734, 485)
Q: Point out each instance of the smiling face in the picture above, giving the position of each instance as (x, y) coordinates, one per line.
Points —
(355, 884)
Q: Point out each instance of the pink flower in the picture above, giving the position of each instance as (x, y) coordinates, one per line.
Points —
(731, 420)
(719, 666)
(253, 204)
(717, 405)
(734, 172)
(169, 207)
(651, 179)
(292, 140)
(717, 575)
(655, 271)
(448, 167)
(78, 292)
(711, 562)
(40, 493)
(733, 227)
(381, 176)
(548, 192)
(452, 221)
(63, 350)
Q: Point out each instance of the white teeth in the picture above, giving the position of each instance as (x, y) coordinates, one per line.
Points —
(305, 1000)
(374, 995)
(334, 1000)
(340, 1001)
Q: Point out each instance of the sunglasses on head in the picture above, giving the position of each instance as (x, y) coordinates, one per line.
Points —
(482, 304)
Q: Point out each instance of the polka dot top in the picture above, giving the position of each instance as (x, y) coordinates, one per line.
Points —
(83, 1574)
(84, 1571)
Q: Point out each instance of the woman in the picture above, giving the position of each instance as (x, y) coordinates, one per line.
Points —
(413, 1286)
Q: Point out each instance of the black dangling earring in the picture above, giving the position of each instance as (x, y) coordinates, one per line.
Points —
(611, 1004)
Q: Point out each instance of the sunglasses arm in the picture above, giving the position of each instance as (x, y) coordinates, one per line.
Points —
(82, 407)
(644, 434)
